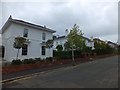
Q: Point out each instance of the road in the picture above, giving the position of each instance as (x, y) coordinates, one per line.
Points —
(102, 73)
(0, 72)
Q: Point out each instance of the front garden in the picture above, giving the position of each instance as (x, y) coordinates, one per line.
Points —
(60, 58)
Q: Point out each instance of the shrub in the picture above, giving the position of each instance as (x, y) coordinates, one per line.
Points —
(49, 59)
(28, 61)
(16, 62)
(66, 54)
(38, 59)
(59, 47)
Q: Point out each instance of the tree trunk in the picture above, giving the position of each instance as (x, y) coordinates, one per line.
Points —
(72, 55)
(73, 60)
(49, 52)
(17, 54)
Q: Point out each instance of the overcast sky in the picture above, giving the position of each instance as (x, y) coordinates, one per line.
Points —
(97, 18)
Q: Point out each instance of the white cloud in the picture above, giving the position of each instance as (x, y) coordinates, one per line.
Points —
(95, 17)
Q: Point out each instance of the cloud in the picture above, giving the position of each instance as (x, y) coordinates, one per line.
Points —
(95, 18)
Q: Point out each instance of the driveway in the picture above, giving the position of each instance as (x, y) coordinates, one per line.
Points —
(101, 73)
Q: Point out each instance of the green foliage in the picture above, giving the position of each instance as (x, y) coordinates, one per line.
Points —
(103, 48)
(38, 59)
(66, 54)
(59, 47)
(31, 61)
(28, 61)
(74, 39)
(87, 49)
(62, 54)
(49, 59)
(16, 62)
(49, 43)
(19, 42)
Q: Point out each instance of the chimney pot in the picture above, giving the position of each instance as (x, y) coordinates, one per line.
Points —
(45, 26)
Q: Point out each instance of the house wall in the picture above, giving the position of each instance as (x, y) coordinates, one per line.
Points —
(6, 42)
(89, 44)
(60, 41)
(34, 47)
(112, 45)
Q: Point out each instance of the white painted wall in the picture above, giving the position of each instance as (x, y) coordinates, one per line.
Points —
(112, 45)
(34, 48)
(62, 41)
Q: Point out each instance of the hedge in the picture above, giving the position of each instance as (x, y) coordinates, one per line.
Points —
(16, 62)
(31, 61)
(66, 54)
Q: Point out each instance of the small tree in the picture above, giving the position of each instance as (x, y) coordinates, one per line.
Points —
(59, 47)
(75, 40)
(18, 44)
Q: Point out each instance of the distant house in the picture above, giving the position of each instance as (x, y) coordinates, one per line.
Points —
(35, 34)
(99, 40)
(61, 40)
(113, 45)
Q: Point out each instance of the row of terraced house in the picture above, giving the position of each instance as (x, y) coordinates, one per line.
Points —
(36, 35)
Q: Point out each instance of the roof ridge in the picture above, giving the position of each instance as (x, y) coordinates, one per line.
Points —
(30, 24)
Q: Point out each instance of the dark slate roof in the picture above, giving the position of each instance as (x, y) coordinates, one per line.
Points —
(59, 37)
(86, 38)
(109, 42)
(10, 20)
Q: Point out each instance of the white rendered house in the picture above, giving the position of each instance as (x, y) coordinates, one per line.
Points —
(61, 40)
(113, 45)
(35, 34)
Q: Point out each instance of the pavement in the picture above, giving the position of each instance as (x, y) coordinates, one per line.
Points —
(101, 73)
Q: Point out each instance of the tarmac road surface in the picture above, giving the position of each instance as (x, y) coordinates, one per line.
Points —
(101, 73)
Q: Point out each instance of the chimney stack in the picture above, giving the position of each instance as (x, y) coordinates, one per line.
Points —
(44, 26)
(10, 17)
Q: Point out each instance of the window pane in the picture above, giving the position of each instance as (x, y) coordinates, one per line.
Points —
(25, 34)
(43, 36)
(24, 49)
(43, 50)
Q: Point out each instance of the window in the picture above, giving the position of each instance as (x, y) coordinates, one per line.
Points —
(43, 36)
(60, 42)
(25, 34)
(56, 43)
(43, 50)
(24, 49)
